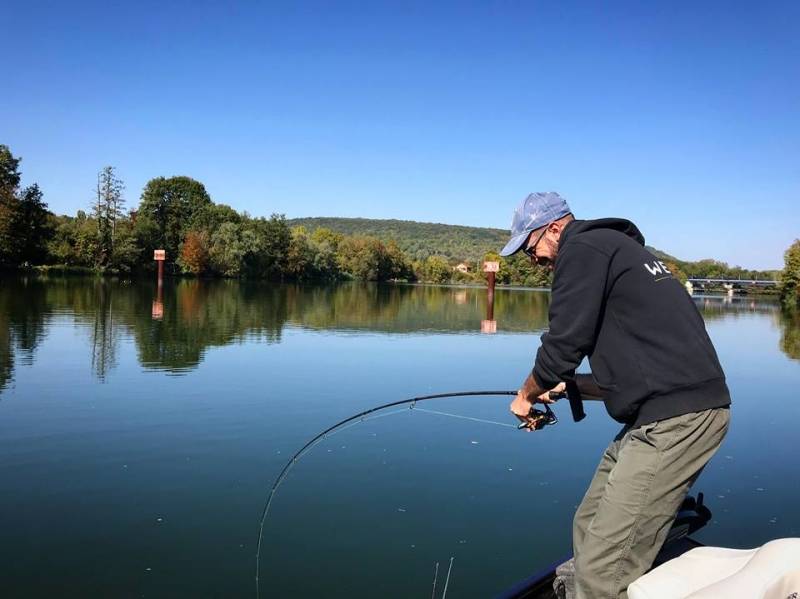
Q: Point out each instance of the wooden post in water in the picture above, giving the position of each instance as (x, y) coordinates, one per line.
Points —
(490, 324)
(159, 256)
(158, 305)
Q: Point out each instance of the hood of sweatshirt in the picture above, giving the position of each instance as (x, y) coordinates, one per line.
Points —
(616, 224)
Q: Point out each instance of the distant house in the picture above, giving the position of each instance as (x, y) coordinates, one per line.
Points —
(462, 267)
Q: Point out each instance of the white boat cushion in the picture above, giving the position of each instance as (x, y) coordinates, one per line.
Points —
(771, 571)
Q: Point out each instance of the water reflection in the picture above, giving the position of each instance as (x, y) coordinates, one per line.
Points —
(172, 328)
(720, 306)
(790, 334)
(23, 312)
(714, 307)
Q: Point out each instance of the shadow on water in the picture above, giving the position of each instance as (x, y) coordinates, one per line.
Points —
(173, 330)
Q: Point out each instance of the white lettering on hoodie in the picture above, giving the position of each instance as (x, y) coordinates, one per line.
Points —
(657, 268)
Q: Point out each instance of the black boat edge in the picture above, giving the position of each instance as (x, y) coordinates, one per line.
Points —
(692, 516)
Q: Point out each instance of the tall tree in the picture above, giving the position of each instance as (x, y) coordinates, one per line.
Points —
(790, 277)
(107, 210)
(25, 224)
(166, 212)
(35, 226)
(9, 207)
(9, 170)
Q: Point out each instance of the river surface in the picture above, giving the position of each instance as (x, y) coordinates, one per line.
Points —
(140, 434)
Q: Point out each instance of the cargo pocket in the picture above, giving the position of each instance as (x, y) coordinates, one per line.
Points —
(627, 491)
(647, 434)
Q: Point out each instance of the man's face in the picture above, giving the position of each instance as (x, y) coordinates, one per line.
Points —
(542, 245)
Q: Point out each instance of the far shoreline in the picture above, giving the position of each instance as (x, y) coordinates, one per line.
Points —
(67, 271)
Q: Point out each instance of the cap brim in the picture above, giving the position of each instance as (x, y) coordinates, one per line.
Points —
(515, 244)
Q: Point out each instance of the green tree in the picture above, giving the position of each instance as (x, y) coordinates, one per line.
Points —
(10, 210)
(210, 216)
(107, 210)
(364, 257)
(25, 222)
(322, 235)
(233, 248)
(300, 262)
(126, 253)
(226, 251)
(399, 266)
(86, 248)
(9, 170)
(36, 228)
(325, 263)
(166, 212)
(269, 253)
(436, 269)
(790, 277)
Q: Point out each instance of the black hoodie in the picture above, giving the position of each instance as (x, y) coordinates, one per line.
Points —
(615, 302)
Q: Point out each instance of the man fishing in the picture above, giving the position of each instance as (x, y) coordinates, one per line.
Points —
(652, 363)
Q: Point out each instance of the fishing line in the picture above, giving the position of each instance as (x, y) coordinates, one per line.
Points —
(447, 581)
(351, 421)
(435, 577)
(462, 417)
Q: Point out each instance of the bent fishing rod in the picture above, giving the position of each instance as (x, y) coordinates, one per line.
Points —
(541, 418)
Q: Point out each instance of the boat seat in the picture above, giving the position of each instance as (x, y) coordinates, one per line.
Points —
(771, 571)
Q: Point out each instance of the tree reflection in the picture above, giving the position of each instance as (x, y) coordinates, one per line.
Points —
(195, 315)
(790, 333)
(715, 307)
(104, 335)
(23, 310)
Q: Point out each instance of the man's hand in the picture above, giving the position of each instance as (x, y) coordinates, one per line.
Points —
(523, 404)
(521, 408)
(560, 388)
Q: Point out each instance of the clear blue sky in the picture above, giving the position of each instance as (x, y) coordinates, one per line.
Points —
(682, 116)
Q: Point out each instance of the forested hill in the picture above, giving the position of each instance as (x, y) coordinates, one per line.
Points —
(418, 240)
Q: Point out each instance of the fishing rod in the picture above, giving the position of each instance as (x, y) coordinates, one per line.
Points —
(541, 418)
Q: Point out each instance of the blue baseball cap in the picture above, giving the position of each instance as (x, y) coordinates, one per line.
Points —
(537, 210)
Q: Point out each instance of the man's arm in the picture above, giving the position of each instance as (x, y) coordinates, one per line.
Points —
(578, 298)
(576, 306)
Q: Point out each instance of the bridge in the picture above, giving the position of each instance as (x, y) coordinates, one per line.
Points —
(732, 282)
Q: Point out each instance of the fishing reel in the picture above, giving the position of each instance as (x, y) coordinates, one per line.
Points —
(541, 418)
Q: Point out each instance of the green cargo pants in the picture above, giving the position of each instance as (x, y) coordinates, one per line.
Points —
(635, 494)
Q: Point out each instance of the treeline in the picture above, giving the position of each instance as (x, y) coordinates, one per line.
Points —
(472, 244)
(200, 237)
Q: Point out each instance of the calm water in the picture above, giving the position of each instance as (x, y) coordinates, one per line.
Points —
(139, 439)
